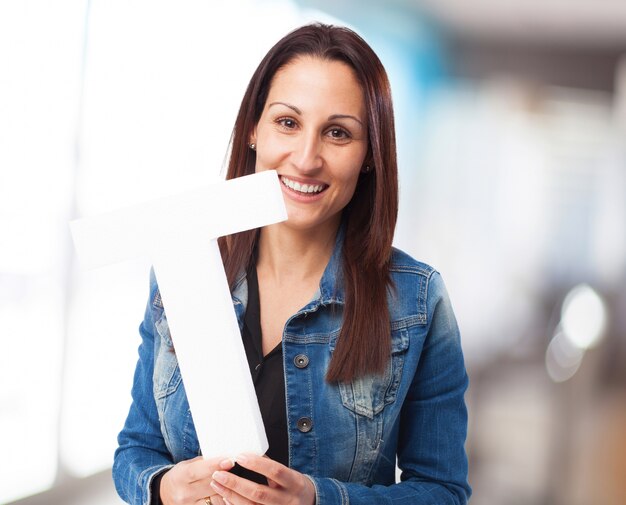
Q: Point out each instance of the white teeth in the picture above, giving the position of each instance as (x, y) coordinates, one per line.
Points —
(302, 188)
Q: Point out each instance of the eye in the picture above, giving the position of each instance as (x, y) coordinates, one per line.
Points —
(287, 123)
(338, 133)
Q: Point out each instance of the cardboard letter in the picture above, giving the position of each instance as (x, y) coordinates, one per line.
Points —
(179, 234)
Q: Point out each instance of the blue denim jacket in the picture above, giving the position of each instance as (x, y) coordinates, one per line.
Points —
(345, 437)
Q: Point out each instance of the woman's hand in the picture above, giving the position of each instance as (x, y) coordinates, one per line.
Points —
(189, 482)
(285, 486)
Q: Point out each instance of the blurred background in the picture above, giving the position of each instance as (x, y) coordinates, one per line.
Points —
(511, 123)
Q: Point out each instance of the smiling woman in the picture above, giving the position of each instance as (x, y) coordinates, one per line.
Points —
(352, 345)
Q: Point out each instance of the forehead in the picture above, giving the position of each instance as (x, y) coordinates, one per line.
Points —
(313, 81)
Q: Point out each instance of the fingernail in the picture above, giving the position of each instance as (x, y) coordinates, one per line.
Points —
(217, 487)
(242, 458)
(218, 476)
(227, 463)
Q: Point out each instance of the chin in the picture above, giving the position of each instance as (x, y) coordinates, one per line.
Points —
(306, 223)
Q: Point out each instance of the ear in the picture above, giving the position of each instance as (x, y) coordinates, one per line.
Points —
(252, 137)
(369, 158)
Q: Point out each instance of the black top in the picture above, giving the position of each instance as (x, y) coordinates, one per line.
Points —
(269, 382)
(268, 378)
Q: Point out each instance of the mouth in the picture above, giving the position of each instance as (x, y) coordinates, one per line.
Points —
(303, 188)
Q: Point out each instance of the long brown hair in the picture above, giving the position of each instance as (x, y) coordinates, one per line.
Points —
(364, 344)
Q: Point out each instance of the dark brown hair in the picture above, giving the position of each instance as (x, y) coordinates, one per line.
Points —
(364, 344)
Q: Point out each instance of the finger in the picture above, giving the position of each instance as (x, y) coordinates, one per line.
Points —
(202, 487)
(229, 496)
(199, 469)
(272, 470)
(270, 482)
(227, 464)
(215, 499)
(243, 491)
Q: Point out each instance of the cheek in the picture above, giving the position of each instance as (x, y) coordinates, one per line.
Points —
(263, 159)
(351, 171)
(269, 153)
(349, 186)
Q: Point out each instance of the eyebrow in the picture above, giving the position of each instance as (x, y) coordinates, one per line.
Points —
(330, 118)
(292, 107)
(344, 116)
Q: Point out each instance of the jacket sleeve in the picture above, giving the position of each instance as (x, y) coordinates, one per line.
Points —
(434, 470)
(141, 452)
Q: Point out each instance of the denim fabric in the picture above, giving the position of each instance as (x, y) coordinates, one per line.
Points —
(413, 413)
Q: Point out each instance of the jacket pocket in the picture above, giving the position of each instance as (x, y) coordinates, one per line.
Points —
(166, 378)
(368, 395)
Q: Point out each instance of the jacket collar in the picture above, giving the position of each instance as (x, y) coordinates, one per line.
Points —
(331, 288)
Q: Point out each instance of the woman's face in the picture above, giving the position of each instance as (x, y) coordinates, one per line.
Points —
(313, 132)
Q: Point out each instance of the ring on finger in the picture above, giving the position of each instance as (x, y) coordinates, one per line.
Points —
(207, 500)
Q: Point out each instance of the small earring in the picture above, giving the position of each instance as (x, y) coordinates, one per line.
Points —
(252, 146)
(366, 169)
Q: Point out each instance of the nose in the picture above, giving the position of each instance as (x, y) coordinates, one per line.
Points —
(307, 156)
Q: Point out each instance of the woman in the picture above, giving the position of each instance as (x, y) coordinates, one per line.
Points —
(353, 345)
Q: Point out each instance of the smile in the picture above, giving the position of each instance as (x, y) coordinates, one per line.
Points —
(303, 188)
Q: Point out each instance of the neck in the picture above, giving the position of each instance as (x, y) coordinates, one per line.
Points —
(287, 255)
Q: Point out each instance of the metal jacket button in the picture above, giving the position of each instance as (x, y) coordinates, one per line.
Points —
(301, 360)
(305, 424)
